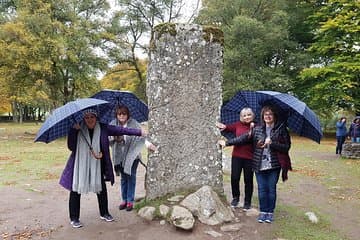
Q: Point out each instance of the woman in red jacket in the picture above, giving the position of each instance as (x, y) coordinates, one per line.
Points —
(241, 158)
(271, 142)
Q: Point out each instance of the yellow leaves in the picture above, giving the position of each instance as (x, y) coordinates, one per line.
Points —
(20, 99)
(107, 36)
(5, 105)
(330, 24)
(122, 77)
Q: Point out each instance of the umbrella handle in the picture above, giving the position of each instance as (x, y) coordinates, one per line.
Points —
(97, 156)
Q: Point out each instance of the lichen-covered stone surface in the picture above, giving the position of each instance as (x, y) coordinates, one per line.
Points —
(184, 97)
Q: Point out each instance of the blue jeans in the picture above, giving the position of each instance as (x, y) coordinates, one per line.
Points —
(267, 181)
(128, 183)
(355, 139)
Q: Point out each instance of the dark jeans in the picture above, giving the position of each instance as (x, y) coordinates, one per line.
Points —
(237, 165)
(340, 141)
(267, 181)
(74, 202)
(128, 183)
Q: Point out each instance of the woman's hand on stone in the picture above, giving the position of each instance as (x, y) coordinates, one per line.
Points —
(152, 147)
(222, 142)
(220, 126)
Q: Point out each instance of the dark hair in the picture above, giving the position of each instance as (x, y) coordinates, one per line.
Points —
(342, 118)
(122, 108)
(269, 108)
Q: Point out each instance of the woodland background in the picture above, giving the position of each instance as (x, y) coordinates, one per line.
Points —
(54, 51)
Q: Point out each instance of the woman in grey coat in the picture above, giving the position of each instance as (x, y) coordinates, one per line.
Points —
(126, 152)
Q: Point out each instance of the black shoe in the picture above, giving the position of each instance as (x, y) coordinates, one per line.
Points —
(122, 206)
(107, 217)
(246, 207)
(76, 223)
(235, 202)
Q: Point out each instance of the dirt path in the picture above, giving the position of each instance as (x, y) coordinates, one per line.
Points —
(341, 204)
(41, 212)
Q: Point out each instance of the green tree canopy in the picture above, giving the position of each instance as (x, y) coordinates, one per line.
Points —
(51, 49)
(332, 82)
(260, 52)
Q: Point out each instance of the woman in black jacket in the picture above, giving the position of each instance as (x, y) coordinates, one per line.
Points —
(271, 143)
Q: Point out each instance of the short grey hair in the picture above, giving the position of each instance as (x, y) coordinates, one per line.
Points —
(246, 110)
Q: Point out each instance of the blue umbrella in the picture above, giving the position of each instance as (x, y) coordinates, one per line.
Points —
(63, 118)
(297, 115)
(138, 109)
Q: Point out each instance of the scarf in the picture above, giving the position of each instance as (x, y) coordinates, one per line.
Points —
(125, 154)
(87, 169)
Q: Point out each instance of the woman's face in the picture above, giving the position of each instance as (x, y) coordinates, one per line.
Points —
(269, 117)
(122, 117)
(90, 120)
(247, 117)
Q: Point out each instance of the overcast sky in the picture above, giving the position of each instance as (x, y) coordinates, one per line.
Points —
(187, 11)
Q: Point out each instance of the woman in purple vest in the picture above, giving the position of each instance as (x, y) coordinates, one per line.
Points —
(89, 164)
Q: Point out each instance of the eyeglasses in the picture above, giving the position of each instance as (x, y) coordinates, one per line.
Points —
(122, 113)
(89, 117)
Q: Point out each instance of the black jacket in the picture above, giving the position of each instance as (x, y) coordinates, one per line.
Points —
(279, 147)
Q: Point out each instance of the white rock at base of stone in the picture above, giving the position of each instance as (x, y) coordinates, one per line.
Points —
(182, 218)
(147, 213)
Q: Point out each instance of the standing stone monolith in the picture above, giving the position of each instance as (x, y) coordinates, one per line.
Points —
(184, 97)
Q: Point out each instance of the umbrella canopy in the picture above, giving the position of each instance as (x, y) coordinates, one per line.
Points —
(297, 115)
(63, 118)
(138, 109)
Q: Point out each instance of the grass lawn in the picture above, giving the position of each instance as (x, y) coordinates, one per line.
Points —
(337, 182)
(22, 160)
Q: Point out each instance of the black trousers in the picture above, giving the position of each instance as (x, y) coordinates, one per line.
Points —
(237, 165)
(74, 202)
(340, 142)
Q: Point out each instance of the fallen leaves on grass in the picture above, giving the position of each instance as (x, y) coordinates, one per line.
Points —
(308, 172)
(50, 176)
(5, 158)
(8, 160)
(344, 193)
(352, 162)
(10, 183)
